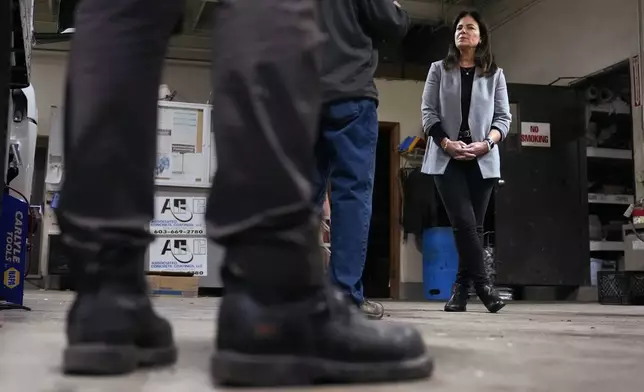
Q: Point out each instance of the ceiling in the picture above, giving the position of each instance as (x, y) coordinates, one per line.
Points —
(194, 43)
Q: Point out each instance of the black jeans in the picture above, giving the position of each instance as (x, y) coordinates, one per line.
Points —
(466, 195)
(266, 104)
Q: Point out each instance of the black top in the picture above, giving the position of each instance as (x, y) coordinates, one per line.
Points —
(467, 81)
(354, 29)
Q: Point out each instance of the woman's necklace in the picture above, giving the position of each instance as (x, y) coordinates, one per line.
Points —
(467, 70)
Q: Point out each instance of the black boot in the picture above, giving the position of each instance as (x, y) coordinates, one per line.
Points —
(111, 327)
(458, 301)
(320, 338)
(490, 297)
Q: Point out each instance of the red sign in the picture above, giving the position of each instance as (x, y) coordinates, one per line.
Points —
(535, 134)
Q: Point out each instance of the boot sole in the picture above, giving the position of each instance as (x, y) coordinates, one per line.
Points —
(228, 368)
(100, 359)
(496, 307)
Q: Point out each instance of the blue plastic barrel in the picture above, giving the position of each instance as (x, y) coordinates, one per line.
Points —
(440, 262)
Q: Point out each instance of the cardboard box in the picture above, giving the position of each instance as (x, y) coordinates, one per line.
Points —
(173, 286)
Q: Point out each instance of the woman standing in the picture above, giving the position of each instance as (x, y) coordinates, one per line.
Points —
(466, 113)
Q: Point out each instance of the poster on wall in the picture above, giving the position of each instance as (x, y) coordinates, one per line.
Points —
(186, 255)
(183, 146)
(535, 134)
(182, 216)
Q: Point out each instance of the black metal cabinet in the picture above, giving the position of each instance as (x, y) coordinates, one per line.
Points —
(541, 220)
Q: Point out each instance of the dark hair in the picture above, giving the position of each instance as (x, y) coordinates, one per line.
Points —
(483, 55)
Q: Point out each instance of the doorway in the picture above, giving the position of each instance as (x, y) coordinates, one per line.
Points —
(382, 266)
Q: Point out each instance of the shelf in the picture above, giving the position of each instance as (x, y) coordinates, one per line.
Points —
(606, 246)
(609, 153)
(417, 154)
(610, 199)
(617, 107)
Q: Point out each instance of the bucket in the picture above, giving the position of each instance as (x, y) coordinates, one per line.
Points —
(440, 263)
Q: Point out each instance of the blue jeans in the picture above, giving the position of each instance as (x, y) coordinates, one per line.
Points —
(346, 159)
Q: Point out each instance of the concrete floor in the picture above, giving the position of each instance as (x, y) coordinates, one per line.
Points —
(544, 347)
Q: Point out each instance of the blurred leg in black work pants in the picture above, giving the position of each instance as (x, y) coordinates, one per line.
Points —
(279, 322)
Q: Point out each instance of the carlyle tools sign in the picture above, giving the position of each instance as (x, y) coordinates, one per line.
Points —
(13, 226)
(179, 216)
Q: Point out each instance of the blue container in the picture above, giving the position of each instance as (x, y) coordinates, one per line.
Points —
(440, 262)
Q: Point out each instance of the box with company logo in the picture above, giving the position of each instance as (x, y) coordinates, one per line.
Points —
(179, 216)
(173, 285)
(185, 255)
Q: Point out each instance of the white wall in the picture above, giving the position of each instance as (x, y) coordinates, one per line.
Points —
(48, 78)
(556, 38)
(399, 102)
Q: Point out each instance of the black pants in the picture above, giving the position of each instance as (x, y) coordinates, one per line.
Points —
(466, 195)
(266, 103)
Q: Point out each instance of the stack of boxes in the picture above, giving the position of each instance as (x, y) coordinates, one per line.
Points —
(179, 254)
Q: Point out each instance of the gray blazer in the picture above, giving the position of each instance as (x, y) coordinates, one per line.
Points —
(442, 102)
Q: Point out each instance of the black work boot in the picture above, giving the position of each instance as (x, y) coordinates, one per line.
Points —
(319, 338)
(458, 301)
(489, 296)
(111, 327)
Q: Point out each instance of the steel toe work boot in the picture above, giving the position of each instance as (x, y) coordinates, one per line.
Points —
(111, 327)
(322, 337)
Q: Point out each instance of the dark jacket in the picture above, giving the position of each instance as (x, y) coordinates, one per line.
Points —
(354, 29)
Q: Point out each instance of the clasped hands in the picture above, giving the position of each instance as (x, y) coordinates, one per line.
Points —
(465, 152)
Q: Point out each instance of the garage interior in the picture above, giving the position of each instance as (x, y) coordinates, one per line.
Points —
(567, 245)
